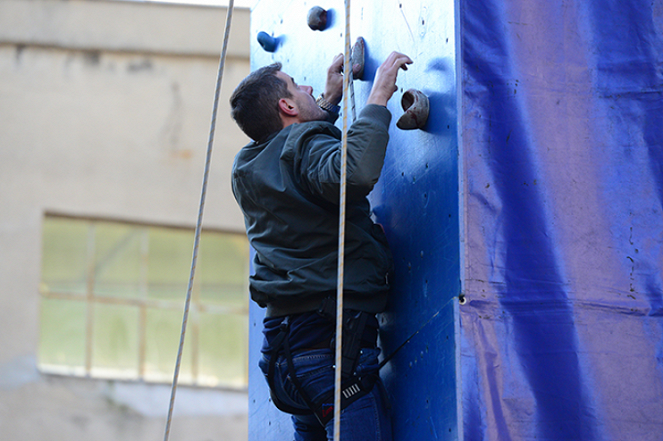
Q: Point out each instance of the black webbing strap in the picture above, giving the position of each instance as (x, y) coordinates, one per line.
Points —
(353, 328)
(352, 389)
(285, 403)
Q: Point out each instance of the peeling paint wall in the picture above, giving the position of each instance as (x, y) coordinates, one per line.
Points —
(104, 112)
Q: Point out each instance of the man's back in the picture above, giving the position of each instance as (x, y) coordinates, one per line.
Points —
(288, 192)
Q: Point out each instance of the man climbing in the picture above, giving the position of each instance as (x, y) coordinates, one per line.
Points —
(287, 184)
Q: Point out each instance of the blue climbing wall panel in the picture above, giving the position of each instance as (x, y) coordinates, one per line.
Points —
(416, 199)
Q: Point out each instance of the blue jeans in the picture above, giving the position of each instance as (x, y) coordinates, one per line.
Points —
(366, 419)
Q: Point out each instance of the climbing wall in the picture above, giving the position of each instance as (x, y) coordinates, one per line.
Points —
(416, 199)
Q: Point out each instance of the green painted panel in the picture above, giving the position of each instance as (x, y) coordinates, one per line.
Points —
(62, 333)
(223, 355)
(116, 340)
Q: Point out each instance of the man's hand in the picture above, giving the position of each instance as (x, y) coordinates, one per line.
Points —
(334, 87)
(384, 85)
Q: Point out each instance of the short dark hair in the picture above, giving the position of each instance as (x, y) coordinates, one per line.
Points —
(254, 103)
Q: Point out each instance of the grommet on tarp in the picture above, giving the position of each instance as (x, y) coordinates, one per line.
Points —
(357, 57)
(416, 107)
(317, 18)
(268, 42)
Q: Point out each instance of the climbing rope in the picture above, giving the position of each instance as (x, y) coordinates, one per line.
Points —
(347, 81)
(352, 96)
(199, 223)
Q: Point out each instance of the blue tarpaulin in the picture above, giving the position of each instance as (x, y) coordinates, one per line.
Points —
(562, 181)
(526, 217)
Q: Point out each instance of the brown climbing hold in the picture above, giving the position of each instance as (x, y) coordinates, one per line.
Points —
(357, 57)
(317, 18)
(416, 107)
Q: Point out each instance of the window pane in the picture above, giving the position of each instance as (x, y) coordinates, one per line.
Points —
(118, 260)
(115, 343)
(169, 264)
(132, 263)
(162, 340)
(64, 255)
(223, 354)
(62, 335)
(223, 269)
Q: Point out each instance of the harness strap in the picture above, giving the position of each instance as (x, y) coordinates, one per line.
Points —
(352, 389)
(284, 403)
(354, 328)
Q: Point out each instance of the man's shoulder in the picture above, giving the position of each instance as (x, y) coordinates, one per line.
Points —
(286, 141)
(254, 148)
(303, 135)
(312, 128)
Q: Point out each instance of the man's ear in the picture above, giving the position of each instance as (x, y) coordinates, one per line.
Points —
(288, 107)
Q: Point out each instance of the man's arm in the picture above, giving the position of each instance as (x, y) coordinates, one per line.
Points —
(334, 84)
(367, 138)
(384, 85)
(334, 88)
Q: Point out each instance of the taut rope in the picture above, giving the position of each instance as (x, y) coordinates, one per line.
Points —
(347, 82)
(199, 223)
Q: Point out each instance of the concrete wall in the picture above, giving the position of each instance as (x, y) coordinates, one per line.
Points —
(104, 112)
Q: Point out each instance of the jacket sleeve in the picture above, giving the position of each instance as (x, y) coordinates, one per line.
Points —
(319, 162)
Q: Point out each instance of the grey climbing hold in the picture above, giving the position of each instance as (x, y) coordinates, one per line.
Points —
(416, 107)
(267, 42)
(317, 18)
(357, 57)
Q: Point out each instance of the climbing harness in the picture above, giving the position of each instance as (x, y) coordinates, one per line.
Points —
(199, 223)
(353, 385)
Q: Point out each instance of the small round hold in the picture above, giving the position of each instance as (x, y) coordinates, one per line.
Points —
(416, 107)
(267, 42)
(317, 18)
(357, 58)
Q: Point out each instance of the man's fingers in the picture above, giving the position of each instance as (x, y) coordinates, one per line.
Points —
(396, 61)
(385, 80)
(403, 61)
(398, 57)
(337, 64)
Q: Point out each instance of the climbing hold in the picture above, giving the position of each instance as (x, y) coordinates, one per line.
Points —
(267, 42)
(416, 107)
(317, 18)
(357, 57)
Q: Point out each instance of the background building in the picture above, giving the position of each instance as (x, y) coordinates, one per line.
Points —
(105, 111)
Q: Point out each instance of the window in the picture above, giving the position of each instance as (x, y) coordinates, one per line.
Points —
(112, 300)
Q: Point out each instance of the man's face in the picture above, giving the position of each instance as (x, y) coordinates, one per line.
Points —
(303, 99)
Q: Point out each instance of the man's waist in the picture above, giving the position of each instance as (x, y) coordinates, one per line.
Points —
(373, 302)
(299, 305)
(315, 330)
